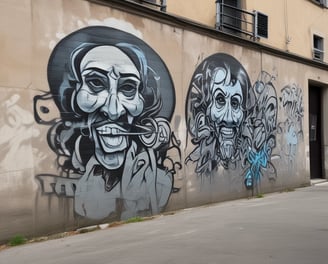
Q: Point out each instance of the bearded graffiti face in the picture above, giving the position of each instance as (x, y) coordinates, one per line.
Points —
(220, 98)
(225, 110)
(109, 94)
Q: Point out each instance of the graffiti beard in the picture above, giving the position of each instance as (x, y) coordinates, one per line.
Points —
(220, 98)
(231, 121)
(226, 112)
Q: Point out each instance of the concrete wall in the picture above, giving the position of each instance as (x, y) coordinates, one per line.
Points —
(200, 11)
(107, 114)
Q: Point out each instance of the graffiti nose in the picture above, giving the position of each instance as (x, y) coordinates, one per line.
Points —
(113, 109)
(228, 116)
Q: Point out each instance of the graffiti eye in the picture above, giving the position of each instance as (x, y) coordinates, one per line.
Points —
(235, 103)
(128, 89)
(96, 84)
(220, 99)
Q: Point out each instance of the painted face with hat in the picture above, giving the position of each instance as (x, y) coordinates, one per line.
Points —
(109, 93)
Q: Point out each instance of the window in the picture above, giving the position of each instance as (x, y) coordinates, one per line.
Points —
(262, 25)
(318, 48)
(230, 15)
(161, 4)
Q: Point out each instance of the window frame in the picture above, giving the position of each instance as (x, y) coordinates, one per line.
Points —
(317, 47)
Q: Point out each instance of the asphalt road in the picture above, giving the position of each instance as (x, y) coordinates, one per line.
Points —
(289, 227)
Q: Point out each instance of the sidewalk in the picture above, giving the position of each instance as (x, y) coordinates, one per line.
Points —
(317, 181)
(289, 227)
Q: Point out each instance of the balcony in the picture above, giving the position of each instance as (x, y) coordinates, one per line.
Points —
(236, 21)
(158, 4)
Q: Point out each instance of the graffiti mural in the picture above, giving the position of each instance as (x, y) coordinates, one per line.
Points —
(17, 130)
(262, 127)
(232, 123)
(291, 101)
(116, 99)
(219, 100)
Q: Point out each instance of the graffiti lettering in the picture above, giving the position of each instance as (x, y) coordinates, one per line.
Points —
(291, 101)
(263, 130)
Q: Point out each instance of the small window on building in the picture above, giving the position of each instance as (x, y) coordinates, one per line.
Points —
(230, 17)
(161, 4)
(318, 47)
(262, 25)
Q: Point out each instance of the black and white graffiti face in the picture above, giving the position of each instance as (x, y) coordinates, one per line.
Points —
(225, 110)
(109, 94)
(219, 101)
(115, 98)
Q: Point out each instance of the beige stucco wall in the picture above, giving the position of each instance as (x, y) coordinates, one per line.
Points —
(292, 23)
(199, 11)
(36, 26)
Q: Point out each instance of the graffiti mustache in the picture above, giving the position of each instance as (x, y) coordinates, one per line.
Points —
(121, 129)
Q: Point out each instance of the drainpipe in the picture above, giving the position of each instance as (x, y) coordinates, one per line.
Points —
(255, 22)
(218, 14)
(163, 5)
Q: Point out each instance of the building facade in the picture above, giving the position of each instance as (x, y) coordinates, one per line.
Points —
(115, 109)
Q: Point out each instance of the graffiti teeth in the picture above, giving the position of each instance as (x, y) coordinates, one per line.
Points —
(227, 132)
(112, 144)
(110, 138)
(104, 131)
(113, 141)
(111, 129)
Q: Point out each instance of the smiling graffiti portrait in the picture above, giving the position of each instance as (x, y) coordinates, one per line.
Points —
(219, 100)
(232, 122)
(116, 99)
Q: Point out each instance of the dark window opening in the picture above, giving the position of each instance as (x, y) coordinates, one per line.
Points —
(318, 47)
(262, 25)
(230, 15)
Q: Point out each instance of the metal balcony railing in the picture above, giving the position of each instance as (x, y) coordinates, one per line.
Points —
(234, 20)
(161, 4)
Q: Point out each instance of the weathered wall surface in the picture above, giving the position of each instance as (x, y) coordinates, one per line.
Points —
(107, 115)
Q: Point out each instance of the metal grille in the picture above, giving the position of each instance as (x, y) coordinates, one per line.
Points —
(234, 20)
(262, 25)
(318, 54)
(161, 4)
